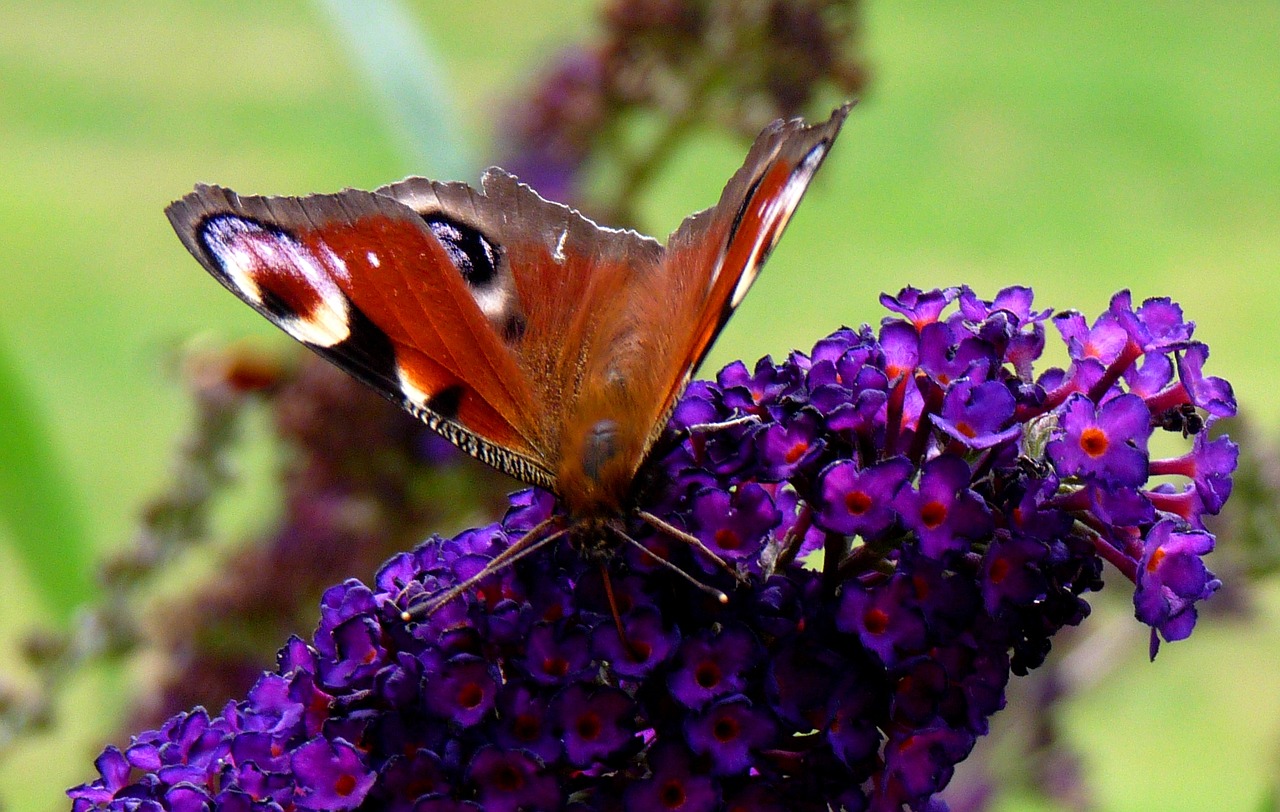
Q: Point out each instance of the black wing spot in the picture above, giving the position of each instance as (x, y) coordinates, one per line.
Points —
(275, 304)
(447, 401)
(367, 354)
(474, 256)
(513, 328)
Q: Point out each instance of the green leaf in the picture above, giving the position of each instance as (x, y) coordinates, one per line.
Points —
(38, 506)
(390, 49)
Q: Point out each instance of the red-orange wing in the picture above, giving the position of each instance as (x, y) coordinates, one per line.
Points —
(569, 323)
(652, 323)
(713, 258)
(415, 307)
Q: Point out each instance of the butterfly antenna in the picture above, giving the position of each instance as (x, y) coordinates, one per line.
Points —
(710, 590)
(672, 439)
(693, 541)
(526, 545)
(707, 428)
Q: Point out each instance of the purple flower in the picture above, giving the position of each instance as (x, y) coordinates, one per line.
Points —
(1012, 573)
(464, 690)
(555, 656)
(861, 502)
(887, 619)
(672, 787)
(1156, 325)
(1107, 443)
(1171, 579)
(977, 415)
(512, 781)
(917, 761)
(919, 306)
(944, 512)
(646, 646)
(1104, 342)
(727, 732)
(595, 723)
(333, 774)
(784, 450)
(524, 723)
(1214, 395)
(734, 525)
(712, 667)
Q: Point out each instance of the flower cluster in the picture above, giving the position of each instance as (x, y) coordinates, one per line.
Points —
(912, 514)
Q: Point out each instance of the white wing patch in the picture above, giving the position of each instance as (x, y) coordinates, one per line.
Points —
(293, 285)
(558, 255)
(493, 302)
(411, 391)
(777, 214)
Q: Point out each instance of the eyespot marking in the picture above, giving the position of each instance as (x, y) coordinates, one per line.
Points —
(474, 256)
(513, 327)
(295, 283)
(442, 397)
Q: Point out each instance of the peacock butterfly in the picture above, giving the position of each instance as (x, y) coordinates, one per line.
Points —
(535, 340)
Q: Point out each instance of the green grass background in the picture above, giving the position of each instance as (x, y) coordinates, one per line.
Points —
(1080, 147)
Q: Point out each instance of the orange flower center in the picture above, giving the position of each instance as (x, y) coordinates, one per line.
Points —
(1094, 442)
(933, 514)
(857, 502)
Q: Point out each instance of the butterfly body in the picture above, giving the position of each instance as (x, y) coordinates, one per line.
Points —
(530, 337)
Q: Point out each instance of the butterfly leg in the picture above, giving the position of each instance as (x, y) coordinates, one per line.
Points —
(526, 545)
(613, 608)
(693, 541)
(685, 537)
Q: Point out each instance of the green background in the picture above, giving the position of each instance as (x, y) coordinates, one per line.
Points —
(1080, 147)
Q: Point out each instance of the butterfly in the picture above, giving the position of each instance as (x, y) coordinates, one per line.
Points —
(527, 335)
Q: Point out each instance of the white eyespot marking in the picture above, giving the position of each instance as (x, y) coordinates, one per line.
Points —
(775, 216)
(558, 255)
(374, 262)
(295, 286)
(493, 302)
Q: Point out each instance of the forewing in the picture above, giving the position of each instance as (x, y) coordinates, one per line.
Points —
(572, 283)
(407, 305)
(715, 255)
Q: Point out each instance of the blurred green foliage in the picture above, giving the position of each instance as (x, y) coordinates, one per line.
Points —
(1078, 147)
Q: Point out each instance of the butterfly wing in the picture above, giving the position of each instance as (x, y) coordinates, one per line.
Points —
(415, 308)
(663, 318)
(729, 243)
(573, 282)
(533, 339)
(715, 255)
